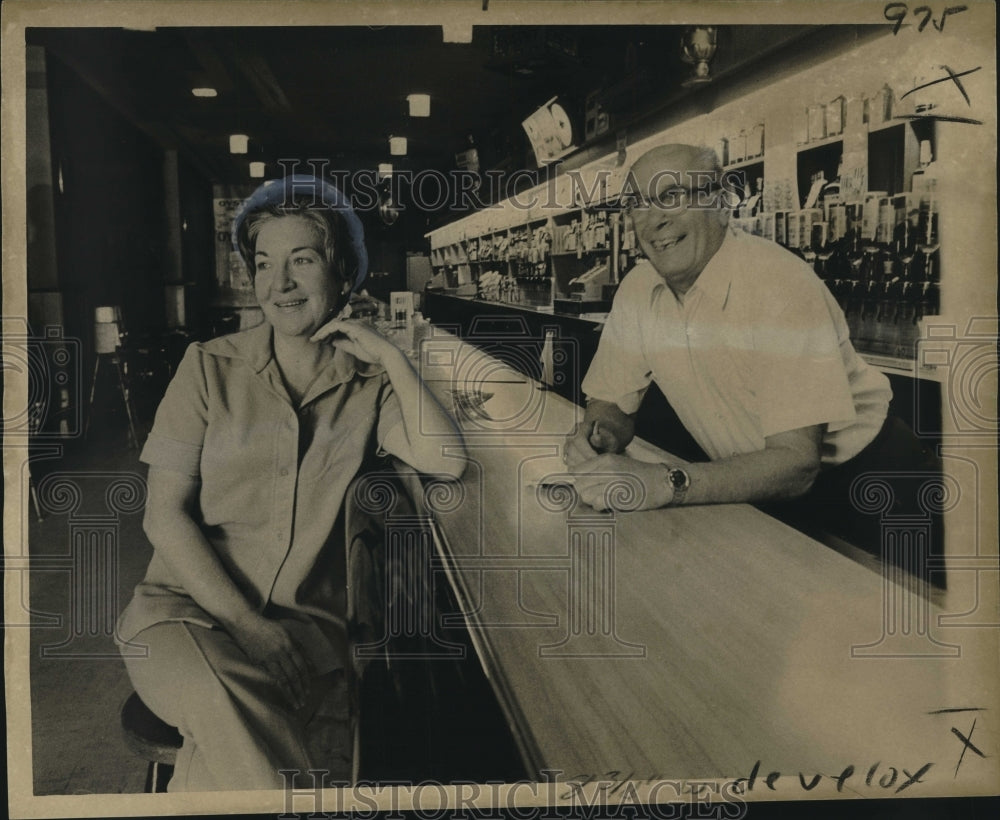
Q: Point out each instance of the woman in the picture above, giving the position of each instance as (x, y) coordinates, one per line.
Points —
(253, 447)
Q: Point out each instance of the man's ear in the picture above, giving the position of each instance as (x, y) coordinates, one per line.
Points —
(723, 214)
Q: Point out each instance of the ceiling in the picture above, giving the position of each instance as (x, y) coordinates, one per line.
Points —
(338, 93)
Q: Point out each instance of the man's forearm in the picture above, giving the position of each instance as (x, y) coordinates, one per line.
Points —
(768, 475)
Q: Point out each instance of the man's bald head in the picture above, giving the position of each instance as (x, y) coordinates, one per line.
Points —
(685, 160)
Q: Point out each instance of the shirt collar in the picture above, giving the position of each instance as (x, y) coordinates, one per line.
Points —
(254, 346)
(716, 277)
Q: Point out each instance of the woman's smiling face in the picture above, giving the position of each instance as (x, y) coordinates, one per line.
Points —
(293, 281)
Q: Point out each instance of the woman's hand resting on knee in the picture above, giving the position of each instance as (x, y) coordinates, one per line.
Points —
(268, 644)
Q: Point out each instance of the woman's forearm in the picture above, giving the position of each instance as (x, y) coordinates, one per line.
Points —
(192, 559)
(427, 428)
(199, 571)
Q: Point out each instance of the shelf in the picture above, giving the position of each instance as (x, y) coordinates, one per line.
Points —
(574, 253)
(807, 146)
(746, 163)
(895, 366)
(885, 126)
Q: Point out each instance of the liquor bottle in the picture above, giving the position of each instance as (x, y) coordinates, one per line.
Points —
(830, 194)
(853, 287)
(905, 232)
(824, 250)
(754, 203)
(924, 185)
(931, 271)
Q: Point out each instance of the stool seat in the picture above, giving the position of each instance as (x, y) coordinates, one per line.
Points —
(146, 735)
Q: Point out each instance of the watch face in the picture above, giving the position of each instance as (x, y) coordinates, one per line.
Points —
(678, 479)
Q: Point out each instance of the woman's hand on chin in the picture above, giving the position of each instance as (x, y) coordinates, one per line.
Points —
(359, 339)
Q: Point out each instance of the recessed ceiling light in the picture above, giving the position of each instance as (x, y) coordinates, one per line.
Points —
(204, 92)
(257, 170)
(420, 105)
(238, 143)
(397, 146)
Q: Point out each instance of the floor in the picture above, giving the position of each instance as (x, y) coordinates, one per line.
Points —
(78, 681)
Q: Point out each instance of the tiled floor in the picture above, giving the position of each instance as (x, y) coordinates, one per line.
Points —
(78, 681)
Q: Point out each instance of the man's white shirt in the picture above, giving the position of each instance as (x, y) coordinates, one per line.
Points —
(757, 346)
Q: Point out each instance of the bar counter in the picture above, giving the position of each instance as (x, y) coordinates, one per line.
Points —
(681, 642)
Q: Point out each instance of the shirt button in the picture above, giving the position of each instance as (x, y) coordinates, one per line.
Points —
(284, 473)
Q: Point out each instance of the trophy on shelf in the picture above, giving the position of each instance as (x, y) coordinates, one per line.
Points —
(698, 49)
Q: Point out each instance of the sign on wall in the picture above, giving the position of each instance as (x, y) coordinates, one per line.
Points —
(230, 272)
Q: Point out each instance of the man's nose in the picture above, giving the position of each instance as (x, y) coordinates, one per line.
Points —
(657, 218)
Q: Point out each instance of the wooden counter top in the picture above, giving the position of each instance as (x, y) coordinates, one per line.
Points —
(686, 642)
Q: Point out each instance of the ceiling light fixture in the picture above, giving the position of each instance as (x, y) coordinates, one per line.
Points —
(420, 105)
(397, 146)
(204, 92)
(257, 170)
(238, 143)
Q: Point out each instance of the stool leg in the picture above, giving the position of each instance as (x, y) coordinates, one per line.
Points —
(157, 777)
(90, 404)
(34, 497)
(133, 440)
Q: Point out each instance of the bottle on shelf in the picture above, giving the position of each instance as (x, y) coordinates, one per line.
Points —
(830, 192)
(851, 289)
(755, 202)
(924, 185)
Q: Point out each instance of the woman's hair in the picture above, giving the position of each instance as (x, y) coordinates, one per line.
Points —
(338, 250)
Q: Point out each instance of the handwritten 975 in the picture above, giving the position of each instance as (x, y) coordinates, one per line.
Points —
(896, 13)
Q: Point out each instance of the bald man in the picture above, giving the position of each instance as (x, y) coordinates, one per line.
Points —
(748, 346)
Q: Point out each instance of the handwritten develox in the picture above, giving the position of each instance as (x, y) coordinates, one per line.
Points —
(878, 775)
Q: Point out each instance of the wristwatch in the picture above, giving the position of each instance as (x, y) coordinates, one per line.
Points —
(679, 482)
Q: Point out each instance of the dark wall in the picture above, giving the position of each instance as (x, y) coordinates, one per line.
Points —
(109, 212)
(197, 242)
(388, 245)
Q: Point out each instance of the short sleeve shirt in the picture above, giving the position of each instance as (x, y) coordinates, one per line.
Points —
(758, 346)
(273, 479)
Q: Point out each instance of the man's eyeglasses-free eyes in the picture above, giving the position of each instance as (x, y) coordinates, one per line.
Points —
(674, 198)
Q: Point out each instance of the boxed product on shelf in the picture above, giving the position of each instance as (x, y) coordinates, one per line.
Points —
(816, 118)
(755, 141)
(835, 116)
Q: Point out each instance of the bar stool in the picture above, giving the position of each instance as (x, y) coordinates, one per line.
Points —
(151, 739)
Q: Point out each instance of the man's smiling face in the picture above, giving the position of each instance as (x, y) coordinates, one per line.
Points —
(680, 225)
